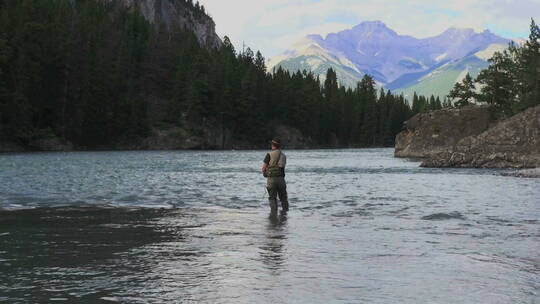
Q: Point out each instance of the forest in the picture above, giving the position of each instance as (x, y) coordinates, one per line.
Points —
(95, 73)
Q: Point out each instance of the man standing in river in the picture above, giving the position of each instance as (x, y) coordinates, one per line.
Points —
(274, 170)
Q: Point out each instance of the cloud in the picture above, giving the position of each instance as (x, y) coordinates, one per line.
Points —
(273, 25)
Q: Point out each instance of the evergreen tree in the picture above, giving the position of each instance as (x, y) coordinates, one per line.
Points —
(329, 119)
(463, 92)
(259, 62)
(417, 106)
(497, 84)
(511, 82)
(529, 64)
(369, 121)
(438, 104)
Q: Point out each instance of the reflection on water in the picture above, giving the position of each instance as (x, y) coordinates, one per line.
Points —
(71, 252)
(273, 251)
(175, 227)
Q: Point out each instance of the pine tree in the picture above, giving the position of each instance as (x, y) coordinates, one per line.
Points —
(530, 69)
(369, 121)
(416, 105)
(329, 118)
(438, 104)
(512, 81)
(463, 92)
(497, 84)
(259, 62)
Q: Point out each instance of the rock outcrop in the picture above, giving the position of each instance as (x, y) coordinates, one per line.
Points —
(526, 173)
(512, 143)
(181, 139)
(179, 14)
(53, 144)
(292, 138)
(429, 133)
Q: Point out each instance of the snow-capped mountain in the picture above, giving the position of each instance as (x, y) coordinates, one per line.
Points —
(395, 61)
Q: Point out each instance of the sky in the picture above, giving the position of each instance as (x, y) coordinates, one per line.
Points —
(272, 26)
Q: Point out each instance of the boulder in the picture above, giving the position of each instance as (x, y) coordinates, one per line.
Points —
(511, 143)
(437, 131)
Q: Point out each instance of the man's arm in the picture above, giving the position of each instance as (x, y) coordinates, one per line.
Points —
(265, 163)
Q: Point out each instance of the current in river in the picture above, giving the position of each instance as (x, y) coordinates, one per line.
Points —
(195, 227)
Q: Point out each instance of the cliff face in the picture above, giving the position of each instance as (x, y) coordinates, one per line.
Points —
(177, 13)
(436, 131)
(514, 142)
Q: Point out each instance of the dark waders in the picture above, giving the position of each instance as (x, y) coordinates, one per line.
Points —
(276, 186)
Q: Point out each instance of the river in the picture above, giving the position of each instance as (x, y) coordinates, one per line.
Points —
(194, 226)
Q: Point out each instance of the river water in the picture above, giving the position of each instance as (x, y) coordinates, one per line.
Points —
(191, 226)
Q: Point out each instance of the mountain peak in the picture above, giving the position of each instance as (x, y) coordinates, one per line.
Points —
(372, 27)
(459, 31)
(372, 23)
(456, 34)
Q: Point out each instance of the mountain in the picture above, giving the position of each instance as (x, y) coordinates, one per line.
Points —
(398, 62)
(311, 56)
(440, 80)
(177, 14)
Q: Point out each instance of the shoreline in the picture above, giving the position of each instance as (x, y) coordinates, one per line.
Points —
(524, 173)
(194, 150)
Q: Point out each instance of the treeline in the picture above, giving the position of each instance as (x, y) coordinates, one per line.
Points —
(511, 83)
(95, 73)
(424, 104)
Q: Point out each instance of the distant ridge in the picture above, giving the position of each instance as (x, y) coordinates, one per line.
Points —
(398, 62)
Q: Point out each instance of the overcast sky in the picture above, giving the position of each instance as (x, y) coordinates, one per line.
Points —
(274, 25)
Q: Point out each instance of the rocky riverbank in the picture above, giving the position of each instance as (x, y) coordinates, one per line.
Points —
(428, 133)
(527, 173)
(210, 137)
(470, 137)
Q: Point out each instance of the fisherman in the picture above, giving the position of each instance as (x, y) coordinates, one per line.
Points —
(273, 169)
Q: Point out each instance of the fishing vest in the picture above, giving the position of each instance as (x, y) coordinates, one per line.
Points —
(273, 169)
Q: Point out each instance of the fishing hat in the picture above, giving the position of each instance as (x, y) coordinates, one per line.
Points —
(276, 141)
